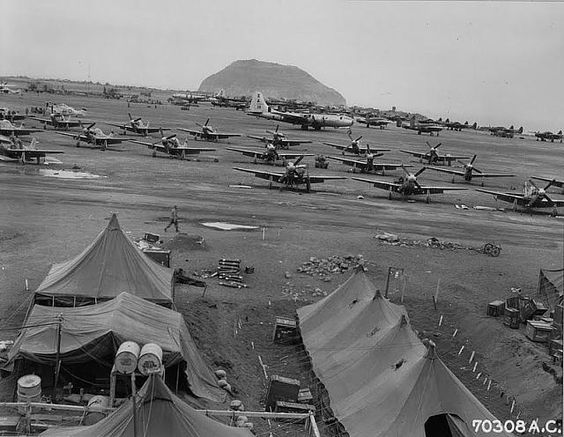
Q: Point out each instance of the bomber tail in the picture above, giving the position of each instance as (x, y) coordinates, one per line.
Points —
(258, 104)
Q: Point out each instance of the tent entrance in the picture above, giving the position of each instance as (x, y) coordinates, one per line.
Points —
(445, 425)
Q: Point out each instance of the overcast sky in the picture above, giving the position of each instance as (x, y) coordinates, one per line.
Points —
(491, 62)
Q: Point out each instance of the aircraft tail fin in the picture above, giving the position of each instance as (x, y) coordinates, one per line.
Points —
(258, 104)
(475, 125)
(520, 131)
(560, 132)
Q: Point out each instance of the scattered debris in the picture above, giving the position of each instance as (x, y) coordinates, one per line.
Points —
(324, 268)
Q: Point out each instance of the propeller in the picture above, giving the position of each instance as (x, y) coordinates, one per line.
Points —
(90, 126)
(541, 192)
(297, 161)
(419, 171)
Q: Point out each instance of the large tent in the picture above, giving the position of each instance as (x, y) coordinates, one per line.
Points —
(93, 333)
(380, 378)
(159, 414)
(551, 286)
(110, 265)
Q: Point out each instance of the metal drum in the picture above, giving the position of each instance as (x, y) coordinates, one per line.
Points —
(126, 357)
(150, 359)
(29, 390)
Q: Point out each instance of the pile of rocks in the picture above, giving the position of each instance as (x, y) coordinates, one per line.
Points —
(291, 291)
(324, 268)
(394, 240)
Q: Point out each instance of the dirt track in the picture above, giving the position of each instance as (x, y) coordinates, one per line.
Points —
(45, 220)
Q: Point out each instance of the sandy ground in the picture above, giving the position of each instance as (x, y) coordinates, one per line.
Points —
(44, 220)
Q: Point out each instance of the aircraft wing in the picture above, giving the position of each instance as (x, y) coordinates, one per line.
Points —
(222, 135)
(247, 152)
(555, 182)
(34, 152)
(438, 190)
(42, 120)
(388, 186)
(448, 158)
(196, 133)
(263, 139)
(416, 154)
(4, 139)
(121, 126)
(144, 143)
(294, 155)
(337, 146)
(152, 130)
(74, 136)
(506, 197)
(269, 176)
(20, 130)
(493, 175)
(294, 142)
(347, 161)
(318, 179)
(447, 170)
(111, 140)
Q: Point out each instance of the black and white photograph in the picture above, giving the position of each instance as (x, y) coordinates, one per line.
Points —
(281, 218)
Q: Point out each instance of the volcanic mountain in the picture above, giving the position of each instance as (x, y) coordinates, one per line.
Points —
(244, 77)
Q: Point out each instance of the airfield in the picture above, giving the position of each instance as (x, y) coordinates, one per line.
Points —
(46, 219)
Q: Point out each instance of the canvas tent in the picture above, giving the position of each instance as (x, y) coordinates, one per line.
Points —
(110, 265)
(93, 333)
(380, 378)
(159, 414)
(551, 286)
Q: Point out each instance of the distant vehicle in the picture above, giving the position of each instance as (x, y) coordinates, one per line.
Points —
(457, 126)
(7, 129)
(13, 149)
(470, 171)
(432, 155)
(66, 110)
(354, 147)
(11, 115)
(548, 136)
(269, 155)
(59, 121)
(504, 132)
(379, 122)
(172, 146)
(369, 165)
(137, 126)
(279, 139)
(296, 175)
(423, 127)
(533, 197)
(95, 137)
(5, 89)
(208, 133)
(408, 186)
(259, 108)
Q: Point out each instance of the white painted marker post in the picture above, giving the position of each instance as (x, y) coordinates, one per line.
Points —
(461, 349)
(471, 357)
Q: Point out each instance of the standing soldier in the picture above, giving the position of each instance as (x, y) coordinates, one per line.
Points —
(173, 218)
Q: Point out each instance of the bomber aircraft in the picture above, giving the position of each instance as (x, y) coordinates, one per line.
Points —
(294, 176)
(278, 139)
(368, 121)
(432, 155)
(269, 155)
(470, 171)
(421, 127)
(137, 126)
(95, 137)
(208, 133)
(7, 129)
(408, 186)
(172, 146)
(13, 149)
(533, 197)
(355, 148)
(59, 121)
(259, 108)
(548, 136)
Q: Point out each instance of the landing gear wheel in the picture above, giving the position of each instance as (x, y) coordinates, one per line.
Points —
(495, 251)
(154, 154)
(488, 248)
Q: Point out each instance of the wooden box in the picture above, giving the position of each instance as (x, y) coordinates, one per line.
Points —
(554, 345)
(538, 331)
(511, 318)
(495, 308)
(293, 407)
(151, 238)
(159, 255)
(281, 389)
(285, 330)
(304, 396)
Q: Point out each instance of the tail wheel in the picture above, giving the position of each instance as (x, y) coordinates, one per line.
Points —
(154, 154)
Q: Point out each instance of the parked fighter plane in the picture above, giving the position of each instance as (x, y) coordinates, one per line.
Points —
(294, 176)
(457, 126)
(269, 155)
(278, 139)
(5, 89)
(433, 157)
(259, 108)
(500, 131)
(11, 115)
(95, 137)
(137, 126)
(425, 128)
(548, 136)
(533, 197)
(59, 121)
(369, 165)
(408, 186)
(13, 149)
(172, 146)
(7, 129)
(354, 147)
(64, 109)
(208, 133)
(374, 121)
(469, 170)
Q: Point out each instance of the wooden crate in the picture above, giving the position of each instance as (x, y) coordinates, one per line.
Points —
(538, 331)
(495, 308)
(511, 318)
(281, 389)
(293, 407)
(304, 396)
(285, 330)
